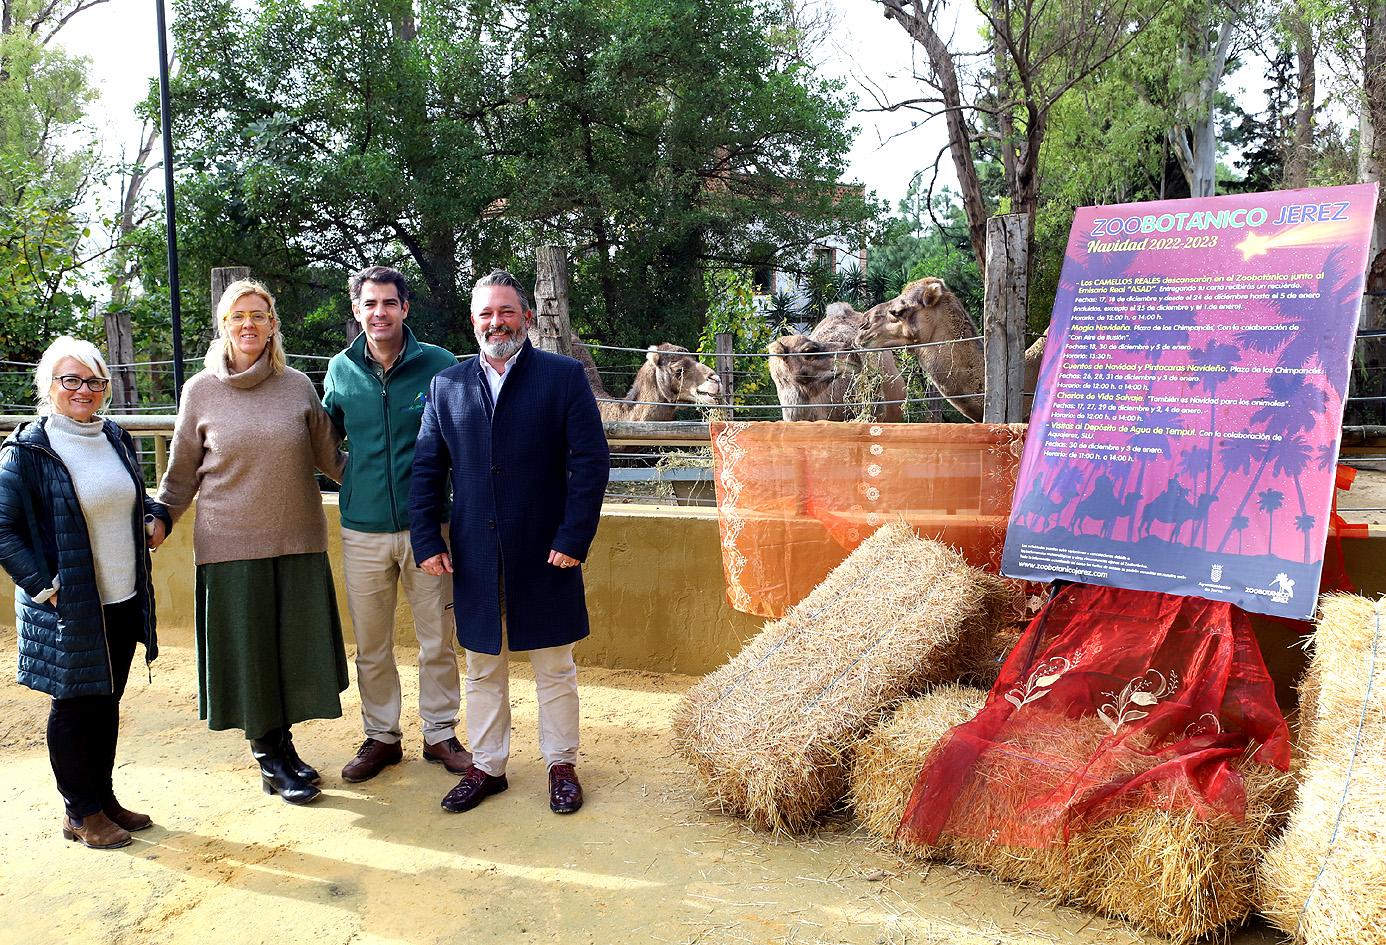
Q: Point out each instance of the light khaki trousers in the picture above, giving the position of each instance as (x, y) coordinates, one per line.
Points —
(375, 564)
(488, 705)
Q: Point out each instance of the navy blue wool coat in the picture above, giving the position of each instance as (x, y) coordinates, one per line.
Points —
(62, 650)
(526, 477)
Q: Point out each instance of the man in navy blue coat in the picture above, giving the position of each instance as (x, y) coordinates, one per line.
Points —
(516, 435)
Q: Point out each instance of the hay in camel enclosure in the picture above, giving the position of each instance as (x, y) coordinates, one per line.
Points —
(1166, 872)
(1324, 880)
(769, 733)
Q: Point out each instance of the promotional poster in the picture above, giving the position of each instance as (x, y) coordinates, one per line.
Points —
(1185, 426)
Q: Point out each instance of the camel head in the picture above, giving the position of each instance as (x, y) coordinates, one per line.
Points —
(926, 310)
(681, 378)
(800, 363)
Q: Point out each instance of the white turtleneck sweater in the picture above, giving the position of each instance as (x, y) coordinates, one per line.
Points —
(107, 496)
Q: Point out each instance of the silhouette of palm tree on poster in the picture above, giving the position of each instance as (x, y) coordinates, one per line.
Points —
(1291, 456)
(1303, 403)
(1270, 501)
(1215, 354)
(1305, 523)
(1239, 524)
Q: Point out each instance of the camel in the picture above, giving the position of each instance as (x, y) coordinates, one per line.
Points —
(927, 312)
(670, 375)
(814, 373)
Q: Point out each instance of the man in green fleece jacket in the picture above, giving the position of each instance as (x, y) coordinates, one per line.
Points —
(374, 393)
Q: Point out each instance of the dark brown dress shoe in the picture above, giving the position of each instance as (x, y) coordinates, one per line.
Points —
(96, 831)
(372, 758)
(450, 754)
(476, 785)
(565, 793)
(126, 819)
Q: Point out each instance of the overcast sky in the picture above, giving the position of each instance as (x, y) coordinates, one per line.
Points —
(119, 37)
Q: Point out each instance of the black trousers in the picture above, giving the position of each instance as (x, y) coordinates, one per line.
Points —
(82, 730)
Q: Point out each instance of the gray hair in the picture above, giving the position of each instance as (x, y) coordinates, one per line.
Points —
(499, 277)
(67, 347)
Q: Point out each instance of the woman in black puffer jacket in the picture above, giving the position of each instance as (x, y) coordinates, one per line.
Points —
(76, 528)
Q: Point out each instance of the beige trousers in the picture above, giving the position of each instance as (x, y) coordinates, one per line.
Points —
(375, 564)
(488, 706)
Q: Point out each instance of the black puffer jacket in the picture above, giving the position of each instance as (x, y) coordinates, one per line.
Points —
(62, 650)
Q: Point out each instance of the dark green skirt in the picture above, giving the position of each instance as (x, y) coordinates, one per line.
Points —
(269, 643)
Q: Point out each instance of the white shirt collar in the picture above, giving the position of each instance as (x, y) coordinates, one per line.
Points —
(494, 379)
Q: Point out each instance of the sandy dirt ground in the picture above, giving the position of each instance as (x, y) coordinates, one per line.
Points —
(380, 862)
(1368, 492)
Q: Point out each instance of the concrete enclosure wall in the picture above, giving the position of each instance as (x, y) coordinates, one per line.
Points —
(654, 591)
(656, 598)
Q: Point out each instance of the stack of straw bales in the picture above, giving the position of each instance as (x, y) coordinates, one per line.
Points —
(1324, 881)
(770, 732)
(1166, 872)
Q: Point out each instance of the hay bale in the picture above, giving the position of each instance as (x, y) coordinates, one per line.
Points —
(769, 732)
(1166, 872)
(886, 763)
(1324, 879)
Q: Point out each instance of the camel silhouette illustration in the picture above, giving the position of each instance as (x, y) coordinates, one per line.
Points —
(1174, 508)
(1102, 504)
(1038, 504)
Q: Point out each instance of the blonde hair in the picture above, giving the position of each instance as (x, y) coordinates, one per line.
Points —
(222, 348)
(68, 347)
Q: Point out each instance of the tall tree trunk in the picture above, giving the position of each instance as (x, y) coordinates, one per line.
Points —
(1302, 144)
(1196, 143)
(959, 137)
(1372, 135)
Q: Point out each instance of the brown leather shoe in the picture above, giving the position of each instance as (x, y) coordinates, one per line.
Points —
(450, 754)
(126, 819)
(565, 793)
(476, 785)
(96, 831)
(371, 759)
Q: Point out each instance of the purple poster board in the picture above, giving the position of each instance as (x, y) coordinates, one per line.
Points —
(1186, 423)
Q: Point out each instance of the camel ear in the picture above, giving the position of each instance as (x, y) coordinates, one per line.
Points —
(933, 292)
(652, 355)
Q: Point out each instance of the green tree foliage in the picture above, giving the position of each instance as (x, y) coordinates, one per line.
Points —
(43, 182)
(655, 138)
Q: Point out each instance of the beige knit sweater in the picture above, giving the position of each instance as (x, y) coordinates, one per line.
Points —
(246, 445)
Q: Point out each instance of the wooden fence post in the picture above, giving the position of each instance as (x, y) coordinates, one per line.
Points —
(553, 331)
(1003, 317)
(223, 277)
(723, 341)
(120, 354)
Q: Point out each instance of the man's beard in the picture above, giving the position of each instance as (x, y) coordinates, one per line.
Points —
(502, 347)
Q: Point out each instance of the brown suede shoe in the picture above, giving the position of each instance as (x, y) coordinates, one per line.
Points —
(96, 831)
(450, 754)
(476, 785)
(565, 793)
(126, 819)
(371, 759)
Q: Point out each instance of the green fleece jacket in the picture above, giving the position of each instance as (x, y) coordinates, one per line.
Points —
(380, 419)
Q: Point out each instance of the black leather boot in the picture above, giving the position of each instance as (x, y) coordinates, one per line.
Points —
(277, 775)
(301, 768)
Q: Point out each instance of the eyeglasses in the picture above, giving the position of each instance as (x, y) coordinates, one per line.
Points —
(240, 318)
(73, 382)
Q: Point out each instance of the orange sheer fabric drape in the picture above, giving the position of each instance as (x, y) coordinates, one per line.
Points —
(795, 498)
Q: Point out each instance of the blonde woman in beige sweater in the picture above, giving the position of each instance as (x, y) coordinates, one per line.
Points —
(250, 432)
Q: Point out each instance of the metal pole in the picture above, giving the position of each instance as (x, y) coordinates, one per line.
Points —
(170, 226)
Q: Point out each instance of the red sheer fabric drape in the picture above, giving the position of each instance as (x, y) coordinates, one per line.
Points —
(795, 498)
(1112, 700)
